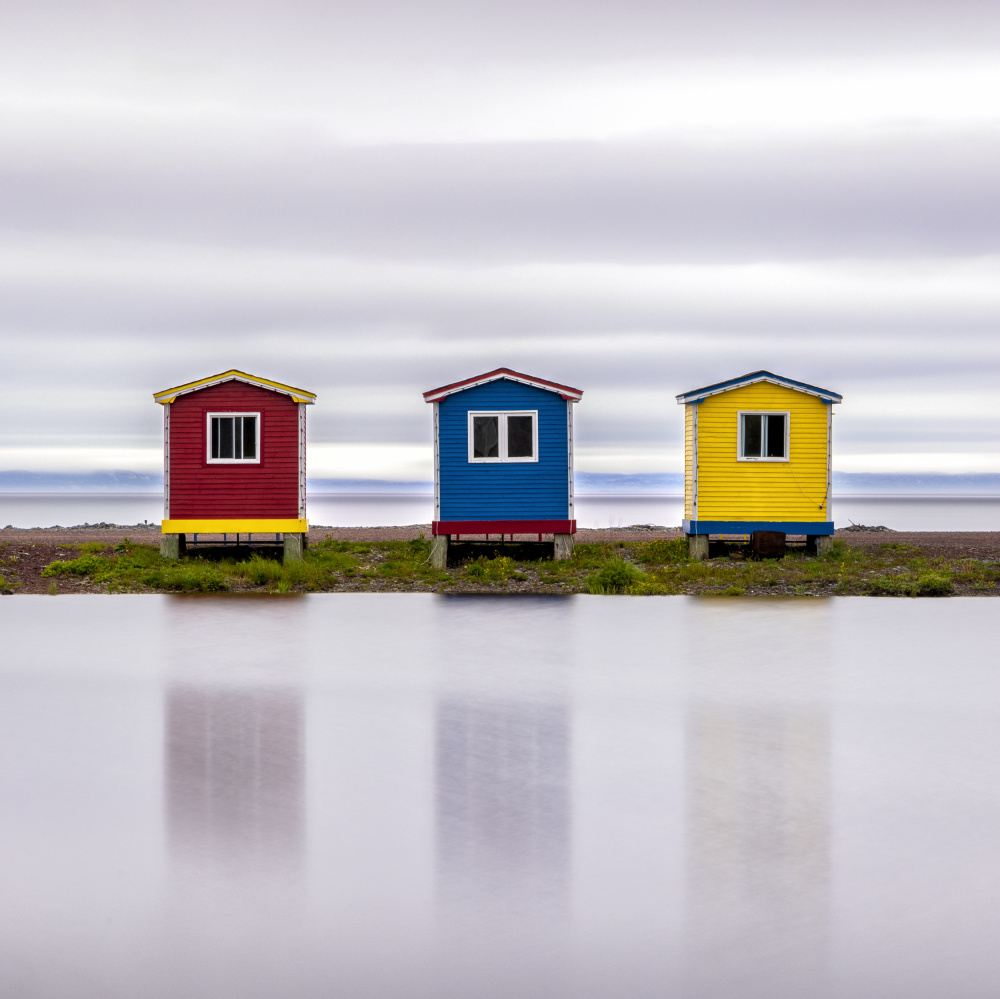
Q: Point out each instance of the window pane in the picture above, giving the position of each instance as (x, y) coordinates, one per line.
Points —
(225, 436)
(486, 437)
(520, 437)
(776, 435)
(249, 436)
(751, 435)
(215, 437)
(237, 436)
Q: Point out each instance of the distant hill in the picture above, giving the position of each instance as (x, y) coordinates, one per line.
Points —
(872, 483)
(661, 483)
(320, 486)
(117, 481)
(844, 483)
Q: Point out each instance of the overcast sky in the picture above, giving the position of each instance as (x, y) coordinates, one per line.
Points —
(636, 197)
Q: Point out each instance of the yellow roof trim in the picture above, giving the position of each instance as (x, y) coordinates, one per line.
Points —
(234, 375)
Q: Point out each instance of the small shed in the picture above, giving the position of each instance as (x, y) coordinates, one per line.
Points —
(503, 459)
(757, 458)
(234, 460)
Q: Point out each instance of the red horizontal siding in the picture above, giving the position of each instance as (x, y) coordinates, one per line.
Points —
(267, 489)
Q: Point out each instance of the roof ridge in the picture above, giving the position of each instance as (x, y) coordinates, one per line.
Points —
(568, 392)
(761, 375)
(166, 396)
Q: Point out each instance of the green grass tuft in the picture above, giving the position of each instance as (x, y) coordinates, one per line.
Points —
(615, 576)
(491, 570)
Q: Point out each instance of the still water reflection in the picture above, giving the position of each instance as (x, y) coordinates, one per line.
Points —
(502, 805)
(758, 813)
(234, 776)
(407, 796)
(758, 852)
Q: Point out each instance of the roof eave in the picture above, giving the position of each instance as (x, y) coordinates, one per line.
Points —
(699, 394)
(566, 392)
(170, 395)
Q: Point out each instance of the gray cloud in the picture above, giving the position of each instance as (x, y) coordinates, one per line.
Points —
(461, 32)
(177, 197)
(627, 202)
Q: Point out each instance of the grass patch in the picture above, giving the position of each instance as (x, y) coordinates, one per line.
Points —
(661, 552)
(619, 576)
(491, 570)
(138, 567)
(927, 584)
(628, 567)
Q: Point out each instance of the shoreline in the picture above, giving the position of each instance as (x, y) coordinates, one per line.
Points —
(954, 544)
(639, 561)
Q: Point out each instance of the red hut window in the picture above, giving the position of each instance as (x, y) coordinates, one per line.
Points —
(233, 437)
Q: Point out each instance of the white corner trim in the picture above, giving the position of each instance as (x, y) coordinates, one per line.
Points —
(437, 465)
(302, 460)
(569, 448)
(166, 462)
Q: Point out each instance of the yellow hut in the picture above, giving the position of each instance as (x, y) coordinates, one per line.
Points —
(757, 458)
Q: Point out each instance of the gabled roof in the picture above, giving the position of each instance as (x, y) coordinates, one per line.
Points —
(297, 394)
(569, 393)
(696, 395)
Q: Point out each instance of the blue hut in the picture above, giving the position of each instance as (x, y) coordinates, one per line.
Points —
(503, 459)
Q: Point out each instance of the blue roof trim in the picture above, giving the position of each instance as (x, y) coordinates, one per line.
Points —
(696, 395)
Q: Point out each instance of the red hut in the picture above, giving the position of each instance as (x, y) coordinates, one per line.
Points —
(234, 460)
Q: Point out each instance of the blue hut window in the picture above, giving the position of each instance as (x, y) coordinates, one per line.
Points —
(763, 436)
(233, 437)
(503, 436)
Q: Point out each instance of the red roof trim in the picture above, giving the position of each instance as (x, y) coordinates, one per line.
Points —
(569, 393)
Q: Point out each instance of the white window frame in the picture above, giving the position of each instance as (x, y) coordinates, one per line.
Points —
(231, 461)
(504, 413)
(762, 412)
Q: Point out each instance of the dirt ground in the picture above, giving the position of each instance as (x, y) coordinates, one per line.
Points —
(934, 544)
(23, 563)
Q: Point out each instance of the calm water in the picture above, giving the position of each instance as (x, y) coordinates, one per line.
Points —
(902, 513)
(387, 796)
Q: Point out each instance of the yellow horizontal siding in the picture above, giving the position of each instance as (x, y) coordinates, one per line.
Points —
(729, 489)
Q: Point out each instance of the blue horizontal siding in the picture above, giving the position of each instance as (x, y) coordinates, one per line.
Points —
(505, 490)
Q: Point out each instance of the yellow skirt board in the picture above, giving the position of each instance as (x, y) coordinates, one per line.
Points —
(248, 526)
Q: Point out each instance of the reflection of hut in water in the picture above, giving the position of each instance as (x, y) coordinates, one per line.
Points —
(758, 816)
(502, 773)
(234, 775)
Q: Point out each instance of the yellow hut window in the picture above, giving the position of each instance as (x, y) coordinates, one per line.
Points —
(763, 436)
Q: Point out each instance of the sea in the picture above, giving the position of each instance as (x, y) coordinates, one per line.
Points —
(897, 512)
(419, 796)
